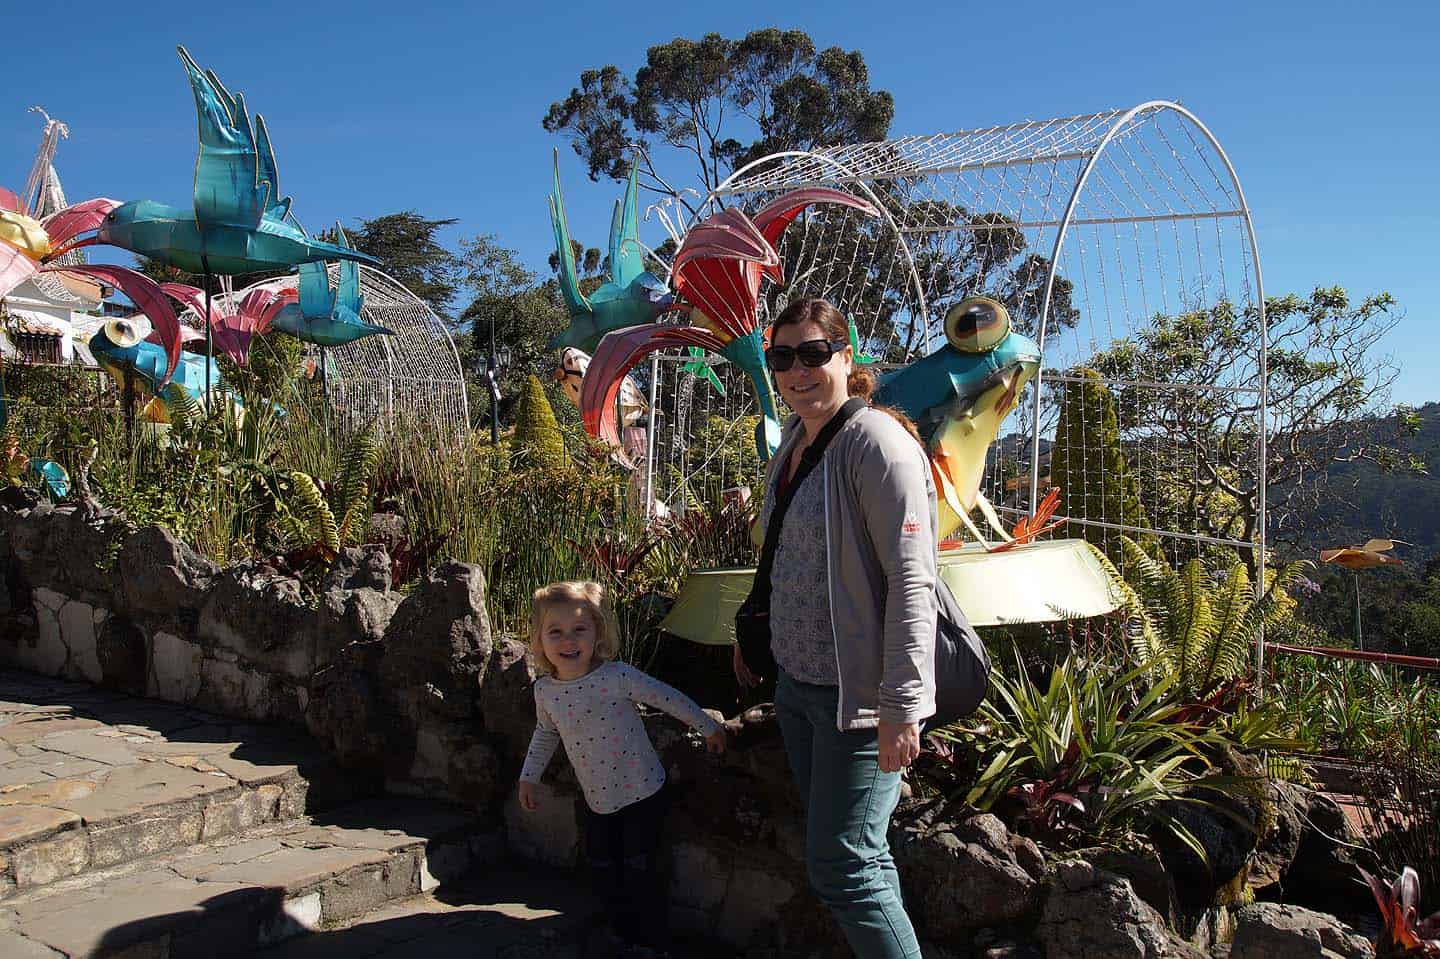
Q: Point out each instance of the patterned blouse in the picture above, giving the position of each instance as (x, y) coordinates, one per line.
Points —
(801, 634)
(604, 738)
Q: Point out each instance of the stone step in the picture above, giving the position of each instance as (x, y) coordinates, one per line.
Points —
(91, 779)
(233, 896)
(516, 912)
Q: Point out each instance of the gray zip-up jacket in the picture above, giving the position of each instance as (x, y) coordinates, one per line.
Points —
(880, 546)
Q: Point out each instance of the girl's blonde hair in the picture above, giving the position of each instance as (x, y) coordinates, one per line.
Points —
(591, 596)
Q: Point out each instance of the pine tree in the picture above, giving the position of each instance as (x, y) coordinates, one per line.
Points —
(1089, 466)
(537, 440)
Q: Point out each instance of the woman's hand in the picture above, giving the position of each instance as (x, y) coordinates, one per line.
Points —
(529, 796)
(899, 745)
(743, 675)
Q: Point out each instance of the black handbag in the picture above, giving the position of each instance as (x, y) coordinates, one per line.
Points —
(752, 619)
(962, 666)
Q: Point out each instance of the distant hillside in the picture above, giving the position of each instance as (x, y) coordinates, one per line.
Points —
(1362, 500)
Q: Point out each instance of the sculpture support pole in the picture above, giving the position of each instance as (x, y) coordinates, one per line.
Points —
(209, 339)
(1359, 635)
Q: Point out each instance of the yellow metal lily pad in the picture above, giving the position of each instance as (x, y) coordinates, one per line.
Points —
(1040, 583)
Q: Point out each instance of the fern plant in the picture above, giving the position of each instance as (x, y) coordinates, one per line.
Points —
(1196, 628)
(308, 520)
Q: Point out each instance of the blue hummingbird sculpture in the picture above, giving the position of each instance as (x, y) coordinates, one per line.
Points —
(240, 223)
(630, 297)
(118, 347)
(325, 316)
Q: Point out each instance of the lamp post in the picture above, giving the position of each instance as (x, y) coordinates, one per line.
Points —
(495, 361)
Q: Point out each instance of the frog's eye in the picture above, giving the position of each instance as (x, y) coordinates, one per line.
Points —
(976, 324)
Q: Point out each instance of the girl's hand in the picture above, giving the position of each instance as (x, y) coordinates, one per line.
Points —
(899, 745)
(529, 796)
(743, 675)
(715, 742)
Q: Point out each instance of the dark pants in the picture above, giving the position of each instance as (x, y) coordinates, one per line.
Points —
(620, 850)
(848, 802)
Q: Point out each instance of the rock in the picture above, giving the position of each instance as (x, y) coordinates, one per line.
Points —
(962, 876)
(437, 646)
(160, 576)
(387, 528)
(260, 615)
(351, 616)
(18, 498)
(1323, 872)
(360, 567)
(1144, 869)
(1269, 930)
(347, 714)
(1277, 848)
(174, 669)
(507, 698)
(123, 655)
(550, 833)
(1228, 834)
(1093, 914)
(77, 554)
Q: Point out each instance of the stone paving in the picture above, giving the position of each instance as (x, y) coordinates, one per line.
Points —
(138, 829)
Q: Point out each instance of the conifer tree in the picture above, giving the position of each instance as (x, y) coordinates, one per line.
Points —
(537, 440)
(1088, 464)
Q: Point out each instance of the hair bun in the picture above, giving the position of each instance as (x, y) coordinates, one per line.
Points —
(861, 383)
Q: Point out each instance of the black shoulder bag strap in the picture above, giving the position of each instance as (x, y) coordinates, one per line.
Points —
(756, 651)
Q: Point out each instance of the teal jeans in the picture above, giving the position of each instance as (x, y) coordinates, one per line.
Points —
(848, 803)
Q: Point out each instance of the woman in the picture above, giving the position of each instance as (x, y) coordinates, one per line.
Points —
(852, 622)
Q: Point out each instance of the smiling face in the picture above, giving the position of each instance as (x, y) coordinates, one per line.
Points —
(814, 392)
(567, 637)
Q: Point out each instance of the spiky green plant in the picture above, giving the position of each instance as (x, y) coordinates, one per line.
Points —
(1200, 629)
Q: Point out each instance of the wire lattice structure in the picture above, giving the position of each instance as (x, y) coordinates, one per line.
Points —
(410, 378)
(1095, 231)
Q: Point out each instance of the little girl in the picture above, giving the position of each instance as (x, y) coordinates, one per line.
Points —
(588, 701)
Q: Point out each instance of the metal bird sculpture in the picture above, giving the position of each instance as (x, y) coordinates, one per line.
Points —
(958, 397)
(631, 296)
(120, 348)
(717, 272)
(239, 222)
(326, 316)
(234, 323)
(1373, 552)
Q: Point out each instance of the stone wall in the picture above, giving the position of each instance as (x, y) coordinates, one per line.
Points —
(414, 694)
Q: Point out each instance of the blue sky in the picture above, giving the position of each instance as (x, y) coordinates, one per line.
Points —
(1326, 109)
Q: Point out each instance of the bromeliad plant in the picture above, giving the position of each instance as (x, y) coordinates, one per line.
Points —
(1403, 932)
(1088, 756)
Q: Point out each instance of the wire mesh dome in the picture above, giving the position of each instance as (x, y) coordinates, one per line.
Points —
(411, 377)
(1108, 237)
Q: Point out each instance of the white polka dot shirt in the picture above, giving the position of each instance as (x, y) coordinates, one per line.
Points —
(604, 738)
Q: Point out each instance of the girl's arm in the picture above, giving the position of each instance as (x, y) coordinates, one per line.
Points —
(542, 743)
(642, 688)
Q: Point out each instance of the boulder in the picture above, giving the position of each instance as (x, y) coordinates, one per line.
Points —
(347, 714)
(123, 654)
(351, 616)
(1094, 914)
(1145, 870)
(962, 876)
(1323, 873)
(1228, 829)
(261, 616)
(159, 576)
(359, 567)
(507, 697)
(1277, 848)
(1270, 930)
(437, 646)
(76, 556)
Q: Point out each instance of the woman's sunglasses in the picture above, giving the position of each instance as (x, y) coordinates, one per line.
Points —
(812, 353)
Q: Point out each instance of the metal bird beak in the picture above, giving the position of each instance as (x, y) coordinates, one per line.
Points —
(126, 332)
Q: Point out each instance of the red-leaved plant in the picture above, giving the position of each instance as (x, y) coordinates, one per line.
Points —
(1403, 932)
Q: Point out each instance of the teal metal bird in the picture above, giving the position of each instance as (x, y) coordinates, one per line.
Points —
(119, 347)
(959, 397)
(240, 223)
(325, 316)
(630, 297)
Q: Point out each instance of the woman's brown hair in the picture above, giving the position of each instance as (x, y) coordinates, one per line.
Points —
(860, 383)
